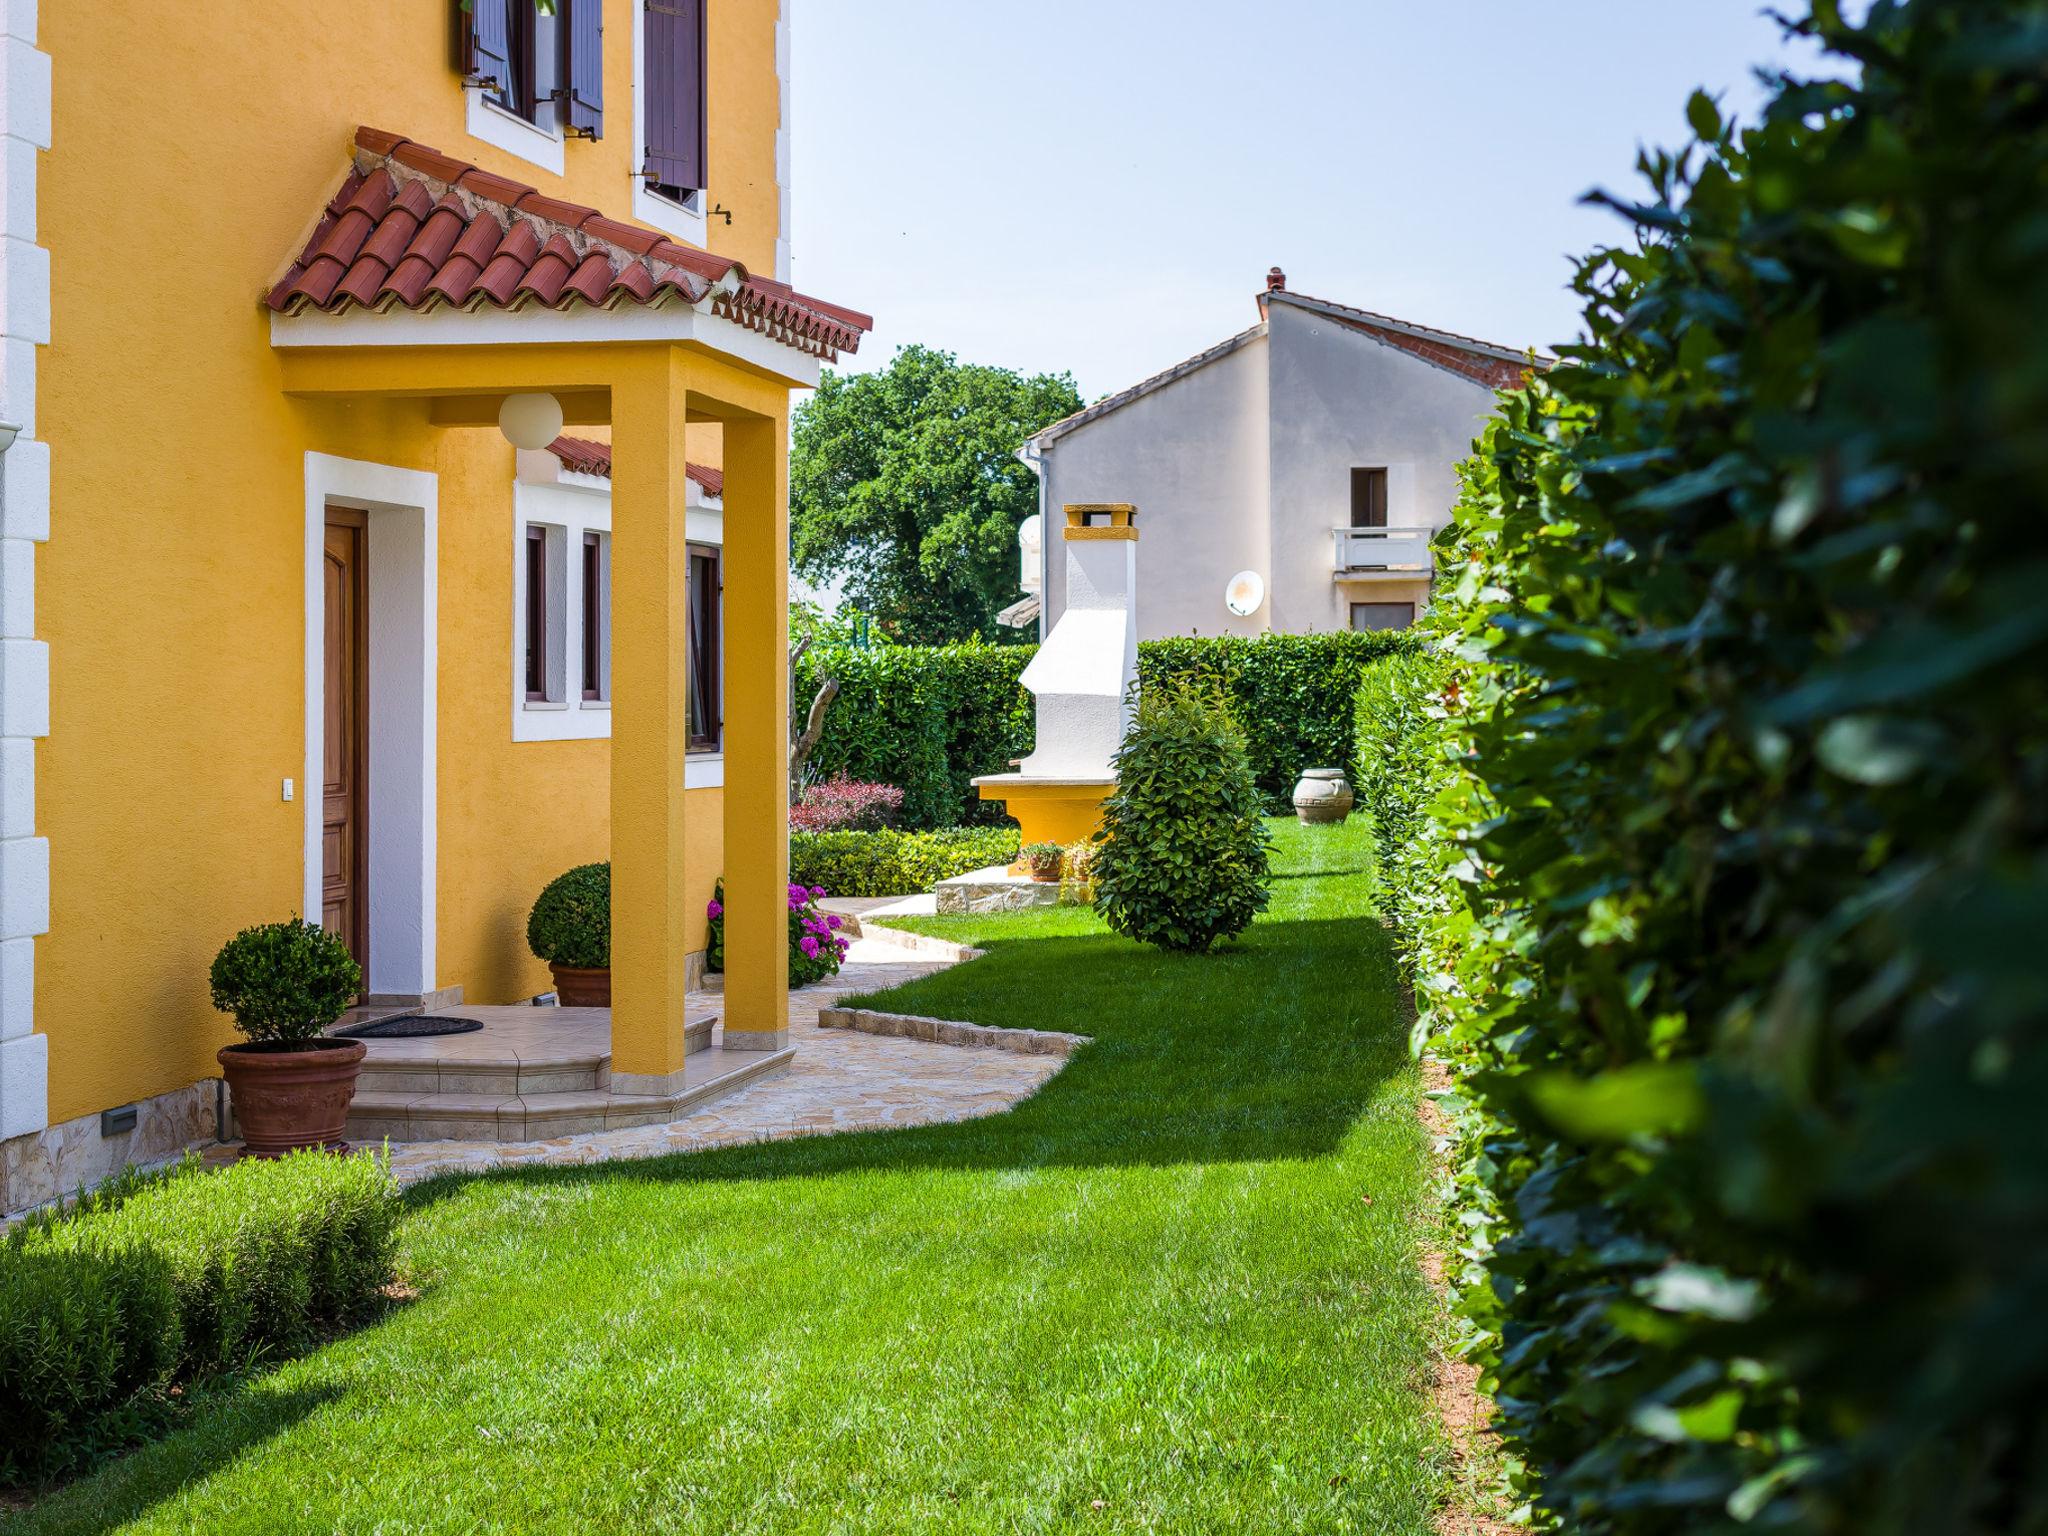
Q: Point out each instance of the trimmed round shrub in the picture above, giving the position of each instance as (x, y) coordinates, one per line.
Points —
(571, 921)
(284, 982)
(1180, 860)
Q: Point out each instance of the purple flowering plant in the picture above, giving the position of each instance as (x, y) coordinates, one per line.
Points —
(815, 945)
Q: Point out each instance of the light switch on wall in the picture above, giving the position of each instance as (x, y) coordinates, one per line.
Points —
(287, 789)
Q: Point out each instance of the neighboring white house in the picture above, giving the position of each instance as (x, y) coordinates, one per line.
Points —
(1287, 479)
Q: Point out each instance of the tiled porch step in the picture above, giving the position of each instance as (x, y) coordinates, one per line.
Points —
(378, 1115)
(475, 1066)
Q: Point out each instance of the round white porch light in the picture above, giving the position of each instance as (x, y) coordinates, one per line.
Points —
(1246, 591)
(530, 421)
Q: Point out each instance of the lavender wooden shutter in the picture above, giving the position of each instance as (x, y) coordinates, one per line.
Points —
(674, 78)
(483, 29)
(581, 24)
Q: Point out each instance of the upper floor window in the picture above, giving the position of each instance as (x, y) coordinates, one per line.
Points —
(543, 68)
(672, 104)
(1368, 498)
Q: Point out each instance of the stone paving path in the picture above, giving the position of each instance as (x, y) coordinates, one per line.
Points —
(841, 1080)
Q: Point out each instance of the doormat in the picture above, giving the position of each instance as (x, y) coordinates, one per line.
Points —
(413, 1026)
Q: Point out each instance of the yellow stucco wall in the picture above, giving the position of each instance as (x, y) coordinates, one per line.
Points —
(191, 151)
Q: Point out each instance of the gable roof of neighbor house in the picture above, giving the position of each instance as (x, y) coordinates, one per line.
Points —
(1482, 362)
(587, 456)
(414, 228)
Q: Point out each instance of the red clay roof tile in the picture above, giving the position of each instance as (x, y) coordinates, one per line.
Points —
(588, 457)
(540, 206)
(396, 231)
(626, 236)
(500, 278)
(499, 189)
(593, 278)
(428, 162)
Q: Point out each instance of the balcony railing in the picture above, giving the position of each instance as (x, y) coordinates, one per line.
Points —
(1363, 553)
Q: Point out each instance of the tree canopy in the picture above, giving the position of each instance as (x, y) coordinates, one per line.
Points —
(905, 484)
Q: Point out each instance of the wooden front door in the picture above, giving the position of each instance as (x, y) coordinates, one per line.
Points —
(345, 797)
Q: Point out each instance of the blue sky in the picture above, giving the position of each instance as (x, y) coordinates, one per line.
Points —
(1100, 185)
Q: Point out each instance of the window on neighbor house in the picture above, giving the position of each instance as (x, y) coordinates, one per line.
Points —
(1368, 498)
(672, 97)
(1382, 615)
(707, 627)
(544, 67)
(596, 626)
(536, 613)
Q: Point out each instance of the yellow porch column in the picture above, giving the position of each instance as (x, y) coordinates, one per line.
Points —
(757, 733)
(650, 646)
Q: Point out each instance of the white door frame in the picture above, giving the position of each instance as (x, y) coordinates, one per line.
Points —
(403, 507)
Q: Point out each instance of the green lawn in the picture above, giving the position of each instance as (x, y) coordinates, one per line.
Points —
(1175, 1292)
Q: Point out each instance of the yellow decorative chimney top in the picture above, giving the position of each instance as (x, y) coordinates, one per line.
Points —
(1101, 520)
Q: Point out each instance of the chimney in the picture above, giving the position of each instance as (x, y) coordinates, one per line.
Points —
(1276, 282)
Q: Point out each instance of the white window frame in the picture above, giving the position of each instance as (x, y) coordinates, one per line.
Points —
(537, 146)
(604, 618)
(555, 497)
(682, 221)
(567, 513)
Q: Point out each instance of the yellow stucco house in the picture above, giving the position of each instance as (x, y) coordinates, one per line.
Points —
(287, 623)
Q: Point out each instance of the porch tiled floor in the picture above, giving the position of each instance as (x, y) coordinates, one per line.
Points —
(840, 1080)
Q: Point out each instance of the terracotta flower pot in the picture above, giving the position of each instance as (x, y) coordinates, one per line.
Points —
(579, 986)
(287, 1098)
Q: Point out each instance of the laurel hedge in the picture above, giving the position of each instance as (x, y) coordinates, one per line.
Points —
(925, 718)
(928, 719)
(1726, 897)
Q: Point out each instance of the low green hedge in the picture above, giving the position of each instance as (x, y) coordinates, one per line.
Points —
(103, 1309)
(893, 863)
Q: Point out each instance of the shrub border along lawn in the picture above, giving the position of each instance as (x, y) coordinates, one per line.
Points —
(173, 1278)
(891, 862)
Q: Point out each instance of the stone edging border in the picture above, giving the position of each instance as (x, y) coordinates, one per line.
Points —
(910, 1026)
(923, 943)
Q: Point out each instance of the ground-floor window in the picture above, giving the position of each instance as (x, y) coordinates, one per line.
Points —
(1382, 615)
(561, 614)
(707, 623)
(542, 607)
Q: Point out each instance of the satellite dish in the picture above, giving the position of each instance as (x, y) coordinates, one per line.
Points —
(1247, 590)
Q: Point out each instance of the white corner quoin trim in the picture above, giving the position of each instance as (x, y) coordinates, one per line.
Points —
(24, 523)
(404, 515)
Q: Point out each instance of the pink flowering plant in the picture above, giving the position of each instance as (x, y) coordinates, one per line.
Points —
(815, 945)
(841, 804)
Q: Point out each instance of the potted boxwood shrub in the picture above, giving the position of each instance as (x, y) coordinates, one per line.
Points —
(570, 927)
(285, 983)
(1043, 860)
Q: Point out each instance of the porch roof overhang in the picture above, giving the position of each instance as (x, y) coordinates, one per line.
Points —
(418, 249)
